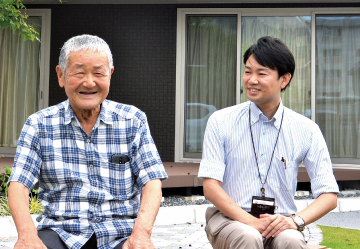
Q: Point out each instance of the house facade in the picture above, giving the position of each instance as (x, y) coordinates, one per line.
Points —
(179, 61)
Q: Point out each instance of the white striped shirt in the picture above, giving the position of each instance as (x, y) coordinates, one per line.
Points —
(228, 155)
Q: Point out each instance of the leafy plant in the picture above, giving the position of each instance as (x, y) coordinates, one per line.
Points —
(11, 16)
(3, 180)
(4, 206)
(35, 205)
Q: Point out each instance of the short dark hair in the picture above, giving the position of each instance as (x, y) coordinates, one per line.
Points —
(272, 53)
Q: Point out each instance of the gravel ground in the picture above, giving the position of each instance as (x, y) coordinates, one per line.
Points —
(343, 194)
(343, 219)
(356, 194)
(180, 201)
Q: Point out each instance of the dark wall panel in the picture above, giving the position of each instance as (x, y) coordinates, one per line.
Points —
(142, 39)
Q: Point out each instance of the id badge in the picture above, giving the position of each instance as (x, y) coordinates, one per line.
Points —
(262, 205)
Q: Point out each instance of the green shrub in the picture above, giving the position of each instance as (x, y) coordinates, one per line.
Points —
(3, 180)
(35, 205)
(4, 206)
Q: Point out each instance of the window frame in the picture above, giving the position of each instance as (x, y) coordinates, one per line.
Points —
(45, 15)
(345, 163)
(181, 70)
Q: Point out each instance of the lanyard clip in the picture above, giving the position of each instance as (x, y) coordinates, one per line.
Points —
(263, 192)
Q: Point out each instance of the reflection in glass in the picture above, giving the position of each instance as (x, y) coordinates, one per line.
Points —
(338, 83)
(210, 73)
(295, 32)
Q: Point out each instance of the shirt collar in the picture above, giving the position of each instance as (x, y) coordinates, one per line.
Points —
(104, 116)
(257, 114)
(69, 113)
(106, 113)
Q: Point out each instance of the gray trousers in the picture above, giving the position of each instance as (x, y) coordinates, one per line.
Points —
(52, 241)
(225, 233)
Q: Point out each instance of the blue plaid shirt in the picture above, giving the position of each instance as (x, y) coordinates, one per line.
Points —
(82, 191)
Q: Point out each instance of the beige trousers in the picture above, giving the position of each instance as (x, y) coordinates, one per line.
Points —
(225, 233)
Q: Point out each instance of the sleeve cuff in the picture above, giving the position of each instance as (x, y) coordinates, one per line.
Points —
(324, 184)
(145, 176)
(211, 169)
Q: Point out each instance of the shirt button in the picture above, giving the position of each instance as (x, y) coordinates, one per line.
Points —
(88, 141)
(91, 166)
(93, 188)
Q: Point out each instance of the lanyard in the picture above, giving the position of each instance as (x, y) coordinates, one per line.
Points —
(257, 164)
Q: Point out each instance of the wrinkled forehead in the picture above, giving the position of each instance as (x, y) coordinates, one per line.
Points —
(98, 58)
(88, 52)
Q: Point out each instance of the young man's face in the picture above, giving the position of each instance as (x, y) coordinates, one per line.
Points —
(86, 80)
(262, 84)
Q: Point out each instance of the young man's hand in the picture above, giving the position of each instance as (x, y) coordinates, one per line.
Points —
(261, 223)
(277, 224)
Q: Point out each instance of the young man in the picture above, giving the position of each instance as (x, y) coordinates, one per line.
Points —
(251, 156)
(93, 158)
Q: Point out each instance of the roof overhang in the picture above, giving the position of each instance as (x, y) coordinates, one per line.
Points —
(181, 1)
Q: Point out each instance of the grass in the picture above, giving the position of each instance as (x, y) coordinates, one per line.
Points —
(340, 238)
(34, 205)
(4, 206)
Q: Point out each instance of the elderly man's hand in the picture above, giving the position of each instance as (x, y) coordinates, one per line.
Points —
(138, 241)
(278, 223)
(31, 242)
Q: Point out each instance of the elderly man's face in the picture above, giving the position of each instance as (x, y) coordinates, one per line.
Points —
(87, 80)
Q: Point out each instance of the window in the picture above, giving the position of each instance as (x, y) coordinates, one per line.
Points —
(295, 32)
(338, 84)
(210, 73)
(24, 69)
(211, 43)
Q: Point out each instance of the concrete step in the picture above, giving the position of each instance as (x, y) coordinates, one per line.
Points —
(317, 247)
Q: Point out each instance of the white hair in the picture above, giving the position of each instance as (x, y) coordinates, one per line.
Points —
(83, 43)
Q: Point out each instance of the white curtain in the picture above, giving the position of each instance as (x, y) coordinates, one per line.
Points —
(19, 82)
(296, 34)
(211, 72)
(338, 83)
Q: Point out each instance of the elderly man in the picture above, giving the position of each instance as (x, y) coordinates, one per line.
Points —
(97, 164)
(252, 152)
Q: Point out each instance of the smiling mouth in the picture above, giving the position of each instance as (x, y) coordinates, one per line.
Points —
(87, 93)
(252, 90)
